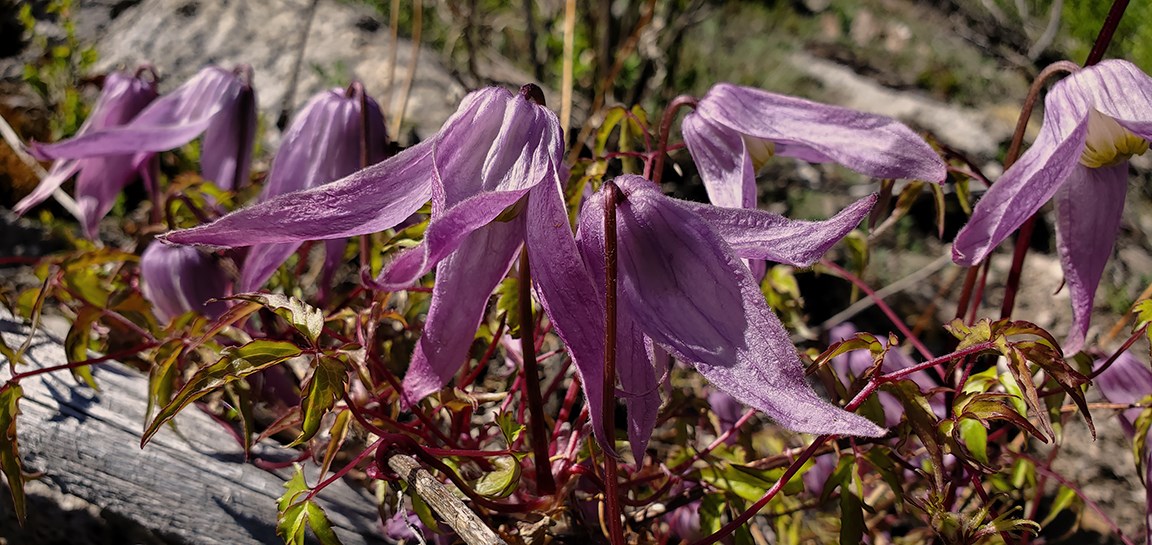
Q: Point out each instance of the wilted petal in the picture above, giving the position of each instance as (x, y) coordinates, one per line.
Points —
(683, 284)
(179, 279)
(464, 282)
(871, 144)
(368, 201)
(1088, 210)
(1031, 181)
(724, 163)
(167, 123)
(758, 234)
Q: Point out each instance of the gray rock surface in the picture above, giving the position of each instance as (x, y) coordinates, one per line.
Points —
(345, 41)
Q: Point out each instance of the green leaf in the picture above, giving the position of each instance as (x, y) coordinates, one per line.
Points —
(234, 363)
(994, 406)
(612, 118)
(10, 448)
(1065, 497)
(712, 513)
(743, 481)
(162, 375)
(941, 208)
(509, 427)
(502, 481)
(923, 421)
(851, 514)
(307, 319)
(979, 332)
(1018, 366)
(1140, 440)
(294, 514)
(975, 437)
(329, 381)
(508, 303)
(37, 306)
(963, 194)
(76, 345)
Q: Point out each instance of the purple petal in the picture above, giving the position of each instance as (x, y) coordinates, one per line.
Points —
(167, 123)
(226, 152)
(179, 279)
(758, 234)
(1118, 89)
(464, 282)
(1031, 181)
(1088, 210)
(368, 201)
(261, 263)
(871, 144)
(1127, 380)
(523, 155)
(682, 284)
(723, 162)
(60, 172)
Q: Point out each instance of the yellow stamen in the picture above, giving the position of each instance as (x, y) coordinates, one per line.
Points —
(1108, 143)
(760, 151)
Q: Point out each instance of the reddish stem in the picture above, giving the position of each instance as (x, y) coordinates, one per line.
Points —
(880, 304)
(665, 128)
(608, 402)
(538, 434)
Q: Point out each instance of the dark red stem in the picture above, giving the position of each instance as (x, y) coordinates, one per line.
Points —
(545, 482)
(608, 402)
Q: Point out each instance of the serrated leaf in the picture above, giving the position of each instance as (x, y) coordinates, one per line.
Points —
(294, 514)
(307, 319)
(240, 395)
(509, 427)
(992, 406)
(234, 363)
(76, 345)
(1018, 366)
(10, 448)
(502, 481)
(328, 383)
(1057, 369)
(979, 332)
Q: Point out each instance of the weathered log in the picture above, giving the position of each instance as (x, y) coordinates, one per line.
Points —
(188, 487)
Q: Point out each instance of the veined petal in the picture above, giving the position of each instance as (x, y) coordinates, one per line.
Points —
(871, 144)
(723, 161)
(758, 234)
(371, 200)
(1031, 181)
(100, 181)
(682, 285)
(60, 172)
(464, 282)
(464, 141)
(167, 123)
(1088, 210)
(641, 392)
(1118, 89)
(226, 151)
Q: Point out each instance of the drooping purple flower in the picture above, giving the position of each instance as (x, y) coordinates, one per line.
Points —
(178, 279)
(735, 130)
(1129, 380)
(100, 179)
(496, 151)
(336, 133)
(216, 103)
(683, 287)
(1094, 121)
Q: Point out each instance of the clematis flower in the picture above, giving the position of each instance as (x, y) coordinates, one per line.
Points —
(682, 287)
(735, 130)
(1129, 380)
(181, 279)
(216, 103)
(99, 179)
(322, 145)
(1094, 121)
(496, 151)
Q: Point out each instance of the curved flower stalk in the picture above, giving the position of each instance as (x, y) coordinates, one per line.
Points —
(683, 287)
(216, 103)
(100, 179)
(336, 133)
(179, 279)
(735, 130)
(1094, 121)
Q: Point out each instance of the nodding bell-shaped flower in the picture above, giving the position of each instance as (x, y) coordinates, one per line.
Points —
(216, 103)
(100, 179)
(178, 279)
(1094, 121)
(735, 130)
(1129, 381)
(336, 133)
(493, 173)
(683, 288)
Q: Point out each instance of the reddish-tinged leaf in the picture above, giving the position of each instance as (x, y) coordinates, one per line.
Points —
(10, 449)
(991, 406)
(328, 382)
(76, 345)
(1018, 366)
(308, 320)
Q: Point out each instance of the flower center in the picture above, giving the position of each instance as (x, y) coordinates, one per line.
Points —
(760, 151)
(1108, 143)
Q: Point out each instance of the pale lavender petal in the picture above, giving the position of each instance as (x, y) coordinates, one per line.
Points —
(167, 123)
(1118, 89)
(100, 181)
(758, 234)
(60, 172)
(683, 284)
(470, 131)
(641, 391)
(724, 163)
(871, 144)
(1088, 210)
(1127, 380)
(464, 282)
(226, 151)
(368, 201)
(179, 279)
(1031, 181)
